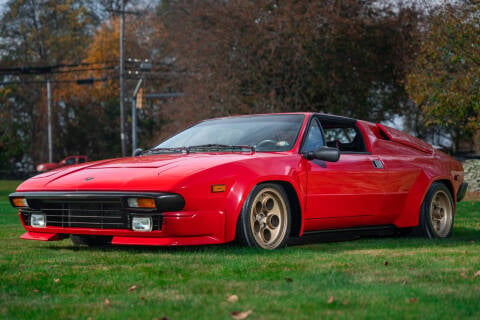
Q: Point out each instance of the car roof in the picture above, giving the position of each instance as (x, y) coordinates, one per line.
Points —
(325, 116)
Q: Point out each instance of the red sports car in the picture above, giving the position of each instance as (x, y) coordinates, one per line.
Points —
(258, 179)
(68, 161)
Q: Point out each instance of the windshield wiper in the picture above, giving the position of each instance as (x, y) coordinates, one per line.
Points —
(202, 147)
(165, 150)
(219, 147)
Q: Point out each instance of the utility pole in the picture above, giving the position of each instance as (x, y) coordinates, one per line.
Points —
(134, 115)
(123, 137)
(49, 116)
(145, 66)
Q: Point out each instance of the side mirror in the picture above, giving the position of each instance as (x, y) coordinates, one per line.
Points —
(323, 153)
(137, 152)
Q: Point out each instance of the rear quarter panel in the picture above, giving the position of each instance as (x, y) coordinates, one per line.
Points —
(411, 172)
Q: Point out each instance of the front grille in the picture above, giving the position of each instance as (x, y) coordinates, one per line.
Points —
(91, 214)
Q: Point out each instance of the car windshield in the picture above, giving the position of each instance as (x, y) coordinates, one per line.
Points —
(260, 133)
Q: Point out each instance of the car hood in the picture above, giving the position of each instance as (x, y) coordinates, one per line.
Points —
(145, 173)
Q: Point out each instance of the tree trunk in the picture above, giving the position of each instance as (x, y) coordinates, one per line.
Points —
(476, 142)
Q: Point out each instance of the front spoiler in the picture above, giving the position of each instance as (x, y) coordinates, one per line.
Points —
(42, 236)
(133, 241)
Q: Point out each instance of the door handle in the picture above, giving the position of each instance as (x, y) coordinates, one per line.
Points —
(378, 164)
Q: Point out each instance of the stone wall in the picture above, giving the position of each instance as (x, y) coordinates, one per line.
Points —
(472, 174)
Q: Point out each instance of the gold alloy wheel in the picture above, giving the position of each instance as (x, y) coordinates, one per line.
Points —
(441, 213)
(268, 218)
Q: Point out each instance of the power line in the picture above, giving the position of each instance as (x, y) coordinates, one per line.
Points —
(78, 81)
(87, 69)
(33, 70)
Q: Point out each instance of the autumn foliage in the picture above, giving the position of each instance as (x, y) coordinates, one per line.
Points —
(348, 57)
(445, 82)
(344, 57)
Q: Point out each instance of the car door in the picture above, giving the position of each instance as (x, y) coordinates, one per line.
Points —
(346, 193)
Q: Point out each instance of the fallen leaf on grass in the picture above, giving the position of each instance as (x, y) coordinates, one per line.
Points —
(132, 288)
(107, 302)
(404, 282)
(36, 291)
(233, 298)
(56, 280)
(464, 275)
(477, 274)
(413, 300)
(240, 315)
(331, 300)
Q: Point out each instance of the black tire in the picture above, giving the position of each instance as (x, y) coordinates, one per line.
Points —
(91, 241)
(265, 220)
(437, 213)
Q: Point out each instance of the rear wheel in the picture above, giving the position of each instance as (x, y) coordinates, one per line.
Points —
(437, 212)
(91, 241)
(265, 219)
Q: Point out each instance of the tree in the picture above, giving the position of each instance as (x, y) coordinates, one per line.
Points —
(90, 113)
(37, 35)
(445, 82)
(348, 57)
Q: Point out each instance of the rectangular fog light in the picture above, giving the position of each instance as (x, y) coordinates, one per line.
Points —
(38, 220)
(142, 224)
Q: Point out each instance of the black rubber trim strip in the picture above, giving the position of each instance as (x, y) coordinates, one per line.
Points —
(367, 229)
(462, 191)
(164, 201)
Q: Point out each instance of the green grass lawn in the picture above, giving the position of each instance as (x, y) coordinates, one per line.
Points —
(401, 278)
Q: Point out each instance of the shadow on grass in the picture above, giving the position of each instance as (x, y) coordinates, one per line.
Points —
(321, 242)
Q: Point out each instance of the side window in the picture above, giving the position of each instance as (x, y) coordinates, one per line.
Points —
(345, 137)
(314, 139)
(81, 160)
(70, 161)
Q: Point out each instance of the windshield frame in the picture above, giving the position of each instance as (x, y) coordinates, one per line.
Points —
(301, 118)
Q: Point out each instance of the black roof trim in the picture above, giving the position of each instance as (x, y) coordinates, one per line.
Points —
(335, 118)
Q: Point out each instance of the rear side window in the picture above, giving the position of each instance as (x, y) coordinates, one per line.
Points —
(70, 161)
(344, 136)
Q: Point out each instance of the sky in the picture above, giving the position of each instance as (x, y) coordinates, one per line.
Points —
(2, 5)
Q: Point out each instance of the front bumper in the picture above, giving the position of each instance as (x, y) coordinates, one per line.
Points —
(108, 214)
(178, 228)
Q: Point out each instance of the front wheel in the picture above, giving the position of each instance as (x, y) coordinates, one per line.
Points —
(265, 218)
(437, 212)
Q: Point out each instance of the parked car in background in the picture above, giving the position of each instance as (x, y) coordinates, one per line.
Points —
(68, 161)
(257, 179)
